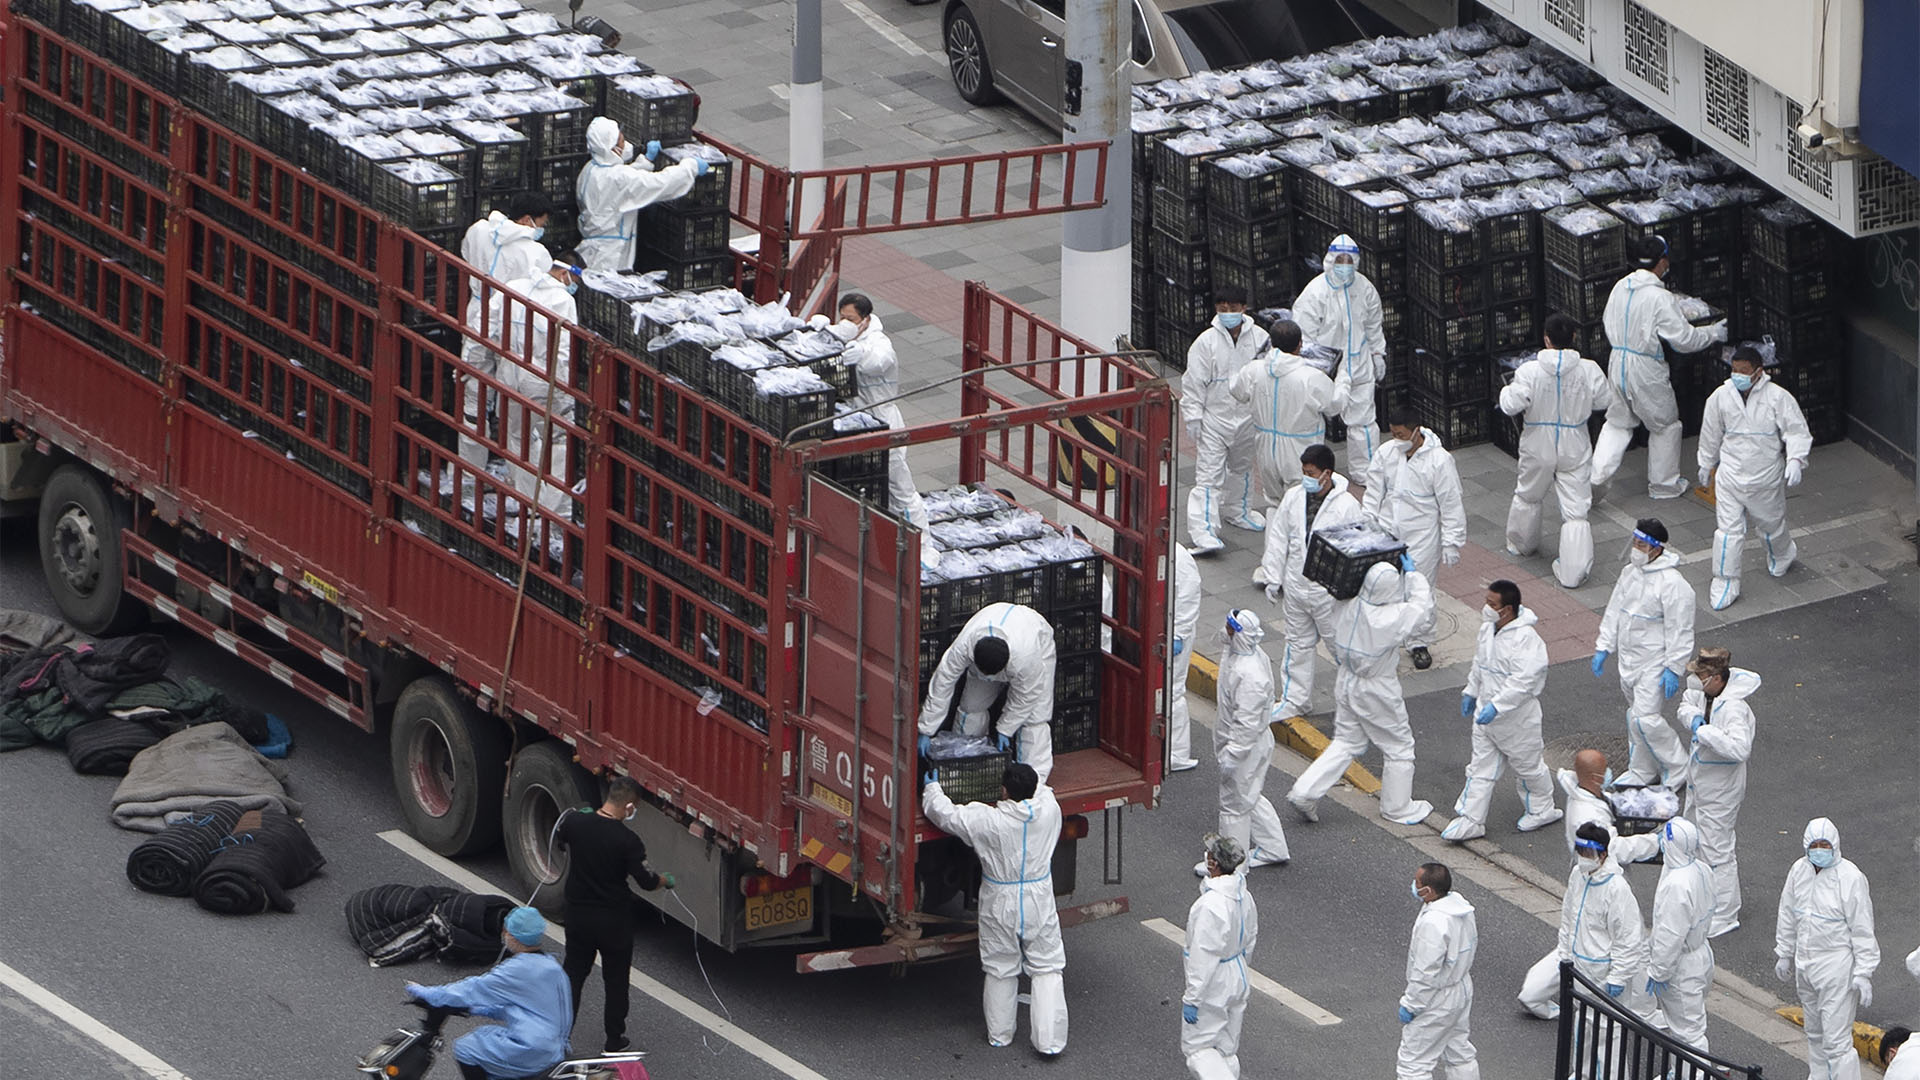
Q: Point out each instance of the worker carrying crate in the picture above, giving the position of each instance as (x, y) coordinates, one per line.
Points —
(997, 678)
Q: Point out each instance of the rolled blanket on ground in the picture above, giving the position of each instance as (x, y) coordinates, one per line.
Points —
(394, 924)
(194, 767)
(168, 863)
(266, 854)
(107, 747)
(473, 922)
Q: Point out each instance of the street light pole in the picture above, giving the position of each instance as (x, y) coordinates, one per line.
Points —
(806, 109)
(1096, 281)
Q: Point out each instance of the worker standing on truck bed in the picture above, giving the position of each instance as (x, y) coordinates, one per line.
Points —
(547, 389)
(877, 383)
(505, 247)
(1019, 922)
(1005, 656)
(614, 187)
(603, 852)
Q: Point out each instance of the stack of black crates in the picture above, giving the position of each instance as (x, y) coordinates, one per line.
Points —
(685, 237)
(1792, 294)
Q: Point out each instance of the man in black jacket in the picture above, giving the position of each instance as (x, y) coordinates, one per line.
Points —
(604, 853)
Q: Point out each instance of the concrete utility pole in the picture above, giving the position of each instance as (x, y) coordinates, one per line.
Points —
(806, 115)
(1096, 283)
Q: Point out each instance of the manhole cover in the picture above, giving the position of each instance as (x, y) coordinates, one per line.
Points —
(1560, 751)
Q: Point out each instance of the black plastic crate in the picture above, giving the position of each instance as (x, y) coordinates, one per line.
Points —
(1583, 255)
(690, 363)
(1673, 229)
(1451, 379)
(1709, 275)
(1075, 629)
(712, 191)
(971, 779)
(212, 91)
(1458, 424)
(676, 234)
(1453, 335)
(1798, 336)
(1513, 325)
(556, 132)
(1332, 563)
(1444, 248)
(1714, 230)
(1815, 381)
(440, 202)
(1514, 279)
(501, 158)
(1142, 200)
(1376, 228)
(1506, 432)
(1811, 287)
(1411, 100)
(557, 177)
(1584, 300)
(668, 119)
(1782, 234)
(1187, 264)
(1172, 339)
(45, 12)
(1077, 675)
(1181, 303)
(782, 413)
(1272, 283)
(1459, 291)
(1366, 110)
(1268, 240)
(1073, 583)
(1248, 198)
(1318, 196)
(1184, 174)
(1075, 726)
(1517, 233)
(1826, 421)
(1179, 215)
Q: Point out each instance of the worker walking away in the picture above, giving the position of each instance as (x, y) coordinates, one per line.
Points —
(997, 677)
(1413, 492)
(1019, 923)
(1679, 960)
(1223, 926)
(1715, 708)
(1340, 309)
(1823, 944)
(1321, 500)
(1641, 318)
(526, 992)
(1601, 934)
(1243, 744)
(505, 247)
(1288, 398)
(1649, 622)
(1502, 699)
(1754, 445)
(1555, 392)
(1368, 703)
(1185, 603)
(544, 348)
(603, 852)
(1220, 426)
(869, 351)
(1438, 1004)
(614, 187)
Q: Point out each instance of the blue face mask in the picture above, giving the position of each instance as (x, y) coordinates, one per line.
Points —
(1230, 320)
(539, 231)
(1341, 274)
(1416, 891)
(1822, 857)
(1607, 780)
(1742, 383)
(572, 287)
(1311, 484)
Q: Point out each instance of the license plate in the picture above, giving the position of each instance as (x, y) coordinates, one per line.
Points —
(778, 909)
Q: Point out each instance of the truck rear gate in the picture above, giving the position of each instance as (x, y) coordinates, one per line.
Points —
(271, 372)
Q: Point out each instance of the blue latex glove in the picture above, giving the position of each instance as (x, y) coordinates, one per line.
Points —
(653, 149)
(926, 744)
(931, 776)
(1669, 683)
(1179, 645)
(1487, 713)
(1406, 1015)
(700, 167)
(1614, 990)
(1466, 705)
(1406, 563)
(1656, 987)
(1190, 1013)
(1600, 663)
(1697, 722)
(1001, 741)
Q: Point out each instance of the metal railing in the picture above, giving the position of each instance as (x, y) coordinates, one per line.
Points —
(1601, 1039)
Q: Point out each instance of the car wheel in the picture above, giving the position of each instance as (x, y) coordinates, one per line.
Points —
(967, 59)
(449, 764)
(80, 552)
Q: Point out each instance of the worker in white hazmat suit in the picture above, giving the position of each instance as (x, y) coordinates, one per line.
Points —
(505, 247)
(1223, 926)
(1584, 786)
(1368, 704)
(1019, 922)
(1555, 392)
(1899, 1062)
(1185, 603)
(1754, 445)
(614, 187)
(1437, 1006)
(1640, 316)
(1340, 309)
(1413, 492)
(1823, 943)
(1601, 934)
(1679, 960)
(1287, 397)
(1004, 659)
(877, 377)
(1717, 709)
(1502, 698)
(1220, 426)
(1243, 744)
(1649, 622)
(531, 336)
(1320, 500)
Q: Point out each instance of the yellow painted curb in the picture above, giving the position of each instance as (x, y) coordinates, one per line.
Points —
(1203, 678)
(1866, 1037)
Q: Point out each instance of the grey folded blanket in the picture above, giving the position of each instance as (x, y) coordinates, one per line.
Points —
(194, 767)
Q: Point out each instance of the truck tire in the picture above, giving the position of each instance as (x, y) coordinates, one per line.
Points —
(967, 58)
(542, 783)
(449, 767)
(81, 553)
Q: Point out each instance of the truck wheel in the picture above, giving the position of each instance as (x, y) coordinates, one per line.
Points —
(449, 767)
(543, 783)
(967, 59)
(80, 552)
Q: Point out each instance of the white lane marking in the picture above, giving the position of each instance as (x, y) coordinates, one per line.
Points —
(1798, 531)
(887, 30)
(1313, 1014)
(74, 1017)
(646, 984)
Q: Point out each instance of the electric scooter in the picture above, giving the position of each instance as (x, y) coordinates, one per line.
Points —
(408, 1053)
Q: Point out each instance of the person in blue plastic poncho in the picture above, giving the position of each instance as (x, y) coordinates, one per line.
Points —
(527, 992)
